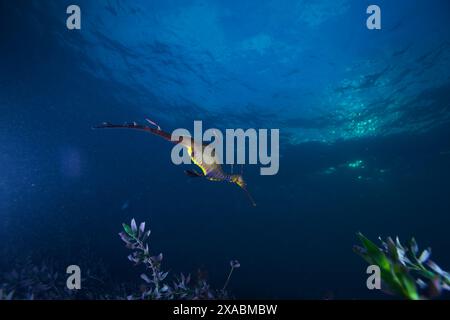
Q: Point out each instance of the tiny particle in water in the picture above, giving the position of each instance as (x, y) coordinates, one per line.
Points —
(125, 205)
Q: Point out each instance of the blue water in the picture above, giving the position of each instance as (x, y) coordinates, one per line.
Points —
(337, 91)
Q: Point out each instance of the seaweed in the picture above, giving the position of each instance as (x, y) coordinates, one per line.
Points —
(6, 295)
(157, 286)
(405, 271)
(29, 281)
(46, 280)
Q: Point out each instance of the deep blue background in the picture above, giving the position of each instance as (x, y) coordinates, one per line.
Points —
(338, 92)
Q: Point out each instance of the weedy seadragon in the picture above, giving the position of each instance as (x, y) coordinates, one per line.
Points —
(210, 166)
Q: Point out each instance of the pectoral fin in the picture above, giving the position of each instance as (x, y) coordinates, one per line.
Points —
(193, 174)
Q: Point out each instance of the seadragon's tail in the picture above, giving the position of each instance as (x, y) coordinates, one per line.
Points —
(133, 125)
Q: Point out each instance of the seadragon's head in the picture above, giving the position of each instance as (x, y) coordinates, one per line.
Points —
(239, 180)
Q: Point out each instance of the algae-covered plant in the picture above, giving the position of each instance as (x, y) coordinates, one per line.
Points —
(405, 271)
(157, 286)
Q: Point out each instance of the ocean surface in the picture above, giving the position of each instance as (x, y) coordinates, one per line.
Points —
(364, 137)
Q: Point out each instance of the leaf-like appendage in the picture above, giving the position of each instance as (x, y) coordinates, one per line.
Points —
(425, 256)
(414, 247)
(133, 226)
(376, 255)
(392, 249)
(127, 229)
(123, 236)
(408, 284)
(141, 228)
(145, 278)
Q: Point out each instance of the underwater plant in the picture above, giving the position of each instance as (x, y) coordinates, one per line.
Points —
(4, 295)
(47, 281)
(405, 271)
(156, 286)
(30, 281)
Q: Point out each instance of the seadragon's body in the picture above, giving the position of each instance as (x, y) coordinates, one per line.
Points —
(207, 162)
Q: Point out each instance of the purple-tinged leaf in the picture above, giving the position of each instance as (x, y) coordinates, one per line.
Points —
(165, 288)
(235, 264)
(435, 288)
(141, 228)
(158, 258)
(133, 259)
(146, 235)
(124, 237)
(145, 278)
(163, 275)
(133, 226)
